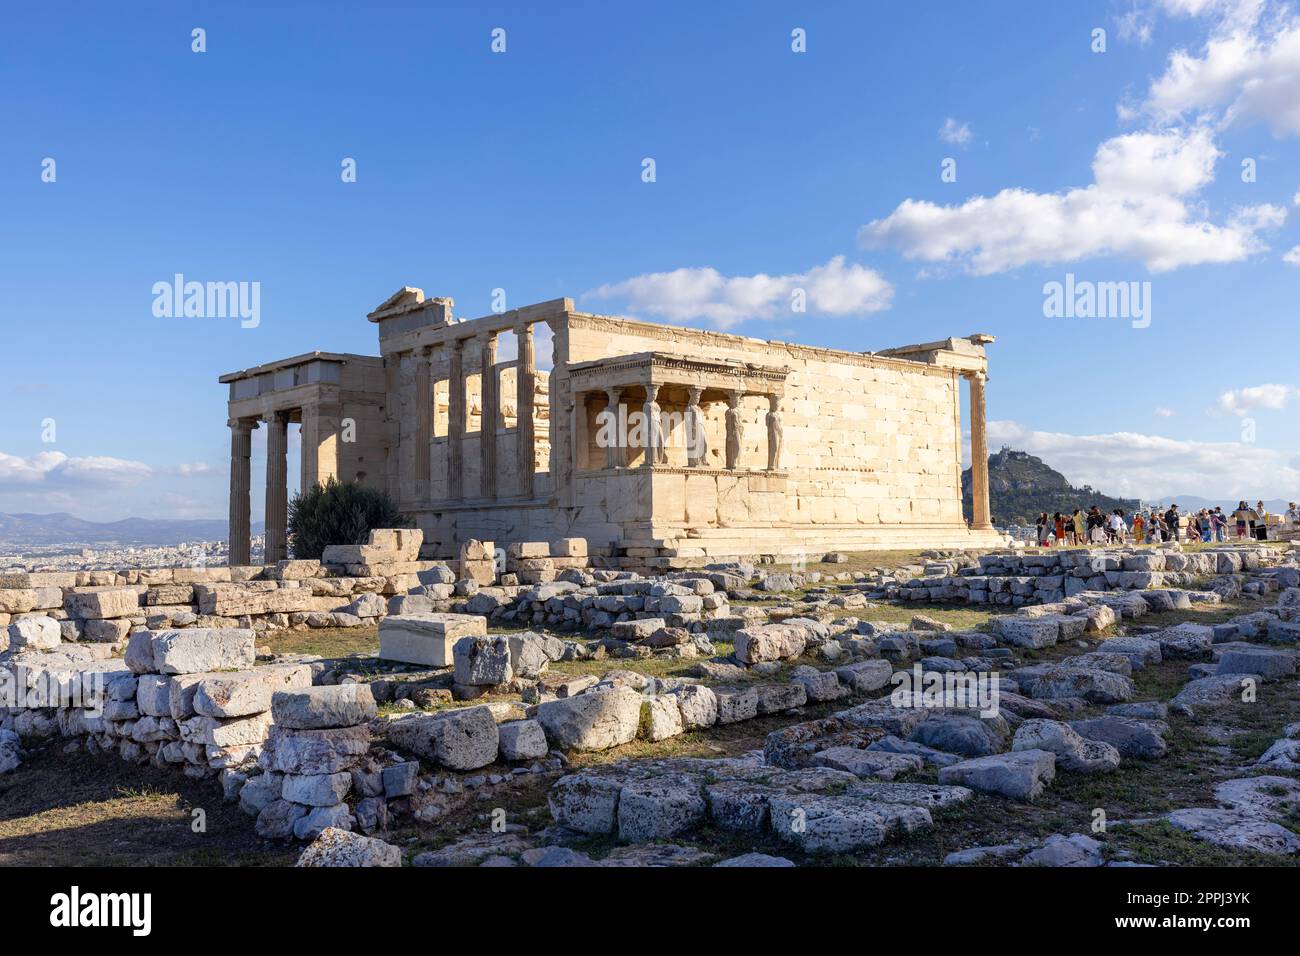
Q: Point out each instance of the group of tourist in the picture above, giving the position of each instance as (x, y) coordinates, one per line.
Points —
(1155, 526)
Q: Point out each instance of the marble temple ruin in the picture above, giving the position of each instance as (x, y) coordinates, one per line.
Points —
(754, 447)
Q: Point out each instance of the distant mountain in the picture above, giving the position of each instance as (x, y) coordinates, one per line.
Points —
(62, 529)
(1021, 486)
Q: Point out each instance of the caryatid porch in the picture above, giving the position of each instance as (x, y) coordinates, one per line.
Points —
(692, 414)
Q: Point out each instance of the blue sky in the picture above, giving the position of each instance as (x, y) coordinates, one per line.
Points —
(522, 170)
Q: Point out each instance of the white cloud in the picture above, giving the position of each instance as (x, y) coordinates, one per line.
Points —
(1292, 256)
(1249, 67)
(1133, 465)
(192, 468)
(1242, 400)
(958, 134)
(724, 301)
(54, 469)
(1163, 412)
(1135, 26)
(1138, 207)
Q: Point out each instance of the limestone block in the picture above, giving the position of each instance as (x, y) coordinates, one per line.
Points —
(237, 600)
(314, 751)
(427, 639)
(102, 602)
(318, 708)
(1020, 775)
(242, 693)
(596, 720)
(528, 549)
(769, 642)
(482, 661)
(153, 695)
(216, 732)
(339, 848)
(317, 790)
(522, 740)
(199, 649)
(106, 630)
(660, 718)
(18, 600)
(463, 739)
(569, 548)
(42, 633)
(169, 594)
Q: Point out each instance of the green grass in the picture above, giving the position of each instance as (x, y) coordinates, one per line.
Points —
(327, 642)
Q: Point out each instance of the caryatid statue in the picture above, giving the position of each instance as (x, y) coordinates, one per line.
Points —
(733, 429)
(697, 445)
(775, 433)
(656, 449)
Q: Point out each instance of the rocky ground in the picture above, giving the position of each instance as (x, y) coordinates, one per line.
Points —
(1215, 782)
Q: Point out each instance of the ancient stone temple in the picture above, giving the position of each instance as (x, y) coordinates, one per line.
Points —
(661, 445)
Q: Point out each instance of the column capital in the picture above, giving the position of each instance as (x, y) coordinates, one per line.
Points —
(242, 424)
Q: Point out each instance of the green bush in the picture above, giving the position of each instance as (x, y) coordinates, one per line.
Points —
(338, 512)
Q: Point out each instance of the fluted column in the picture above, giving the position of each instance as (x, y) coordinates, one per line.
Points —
(241, 451)
(423, 423)
(981, 519)
(456, 421)
(277, 492)
(524, 409)
(489, 415)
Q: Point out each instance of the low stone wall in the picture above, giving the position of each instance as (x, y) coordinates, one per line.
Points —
(349, 587)
(1017, 578)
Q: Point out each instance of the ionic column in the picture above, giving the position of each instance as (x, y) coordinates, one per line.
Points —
(241, 451)
(489, 415)
(613, 450)
(733, 429)
(456, 421)
(697, 447)
(524, 402)
(277, 492)
(423, 423)
(979, 456)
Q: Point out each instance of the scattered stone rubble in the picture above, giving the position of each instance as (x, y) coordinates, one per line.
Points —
(311, 758)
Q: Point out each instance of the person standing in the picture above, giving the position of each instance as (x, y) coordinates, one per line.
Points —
(1242, 517)
(1261, 526)
(1139, 528)
(1173, 522)
(1076, 520)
